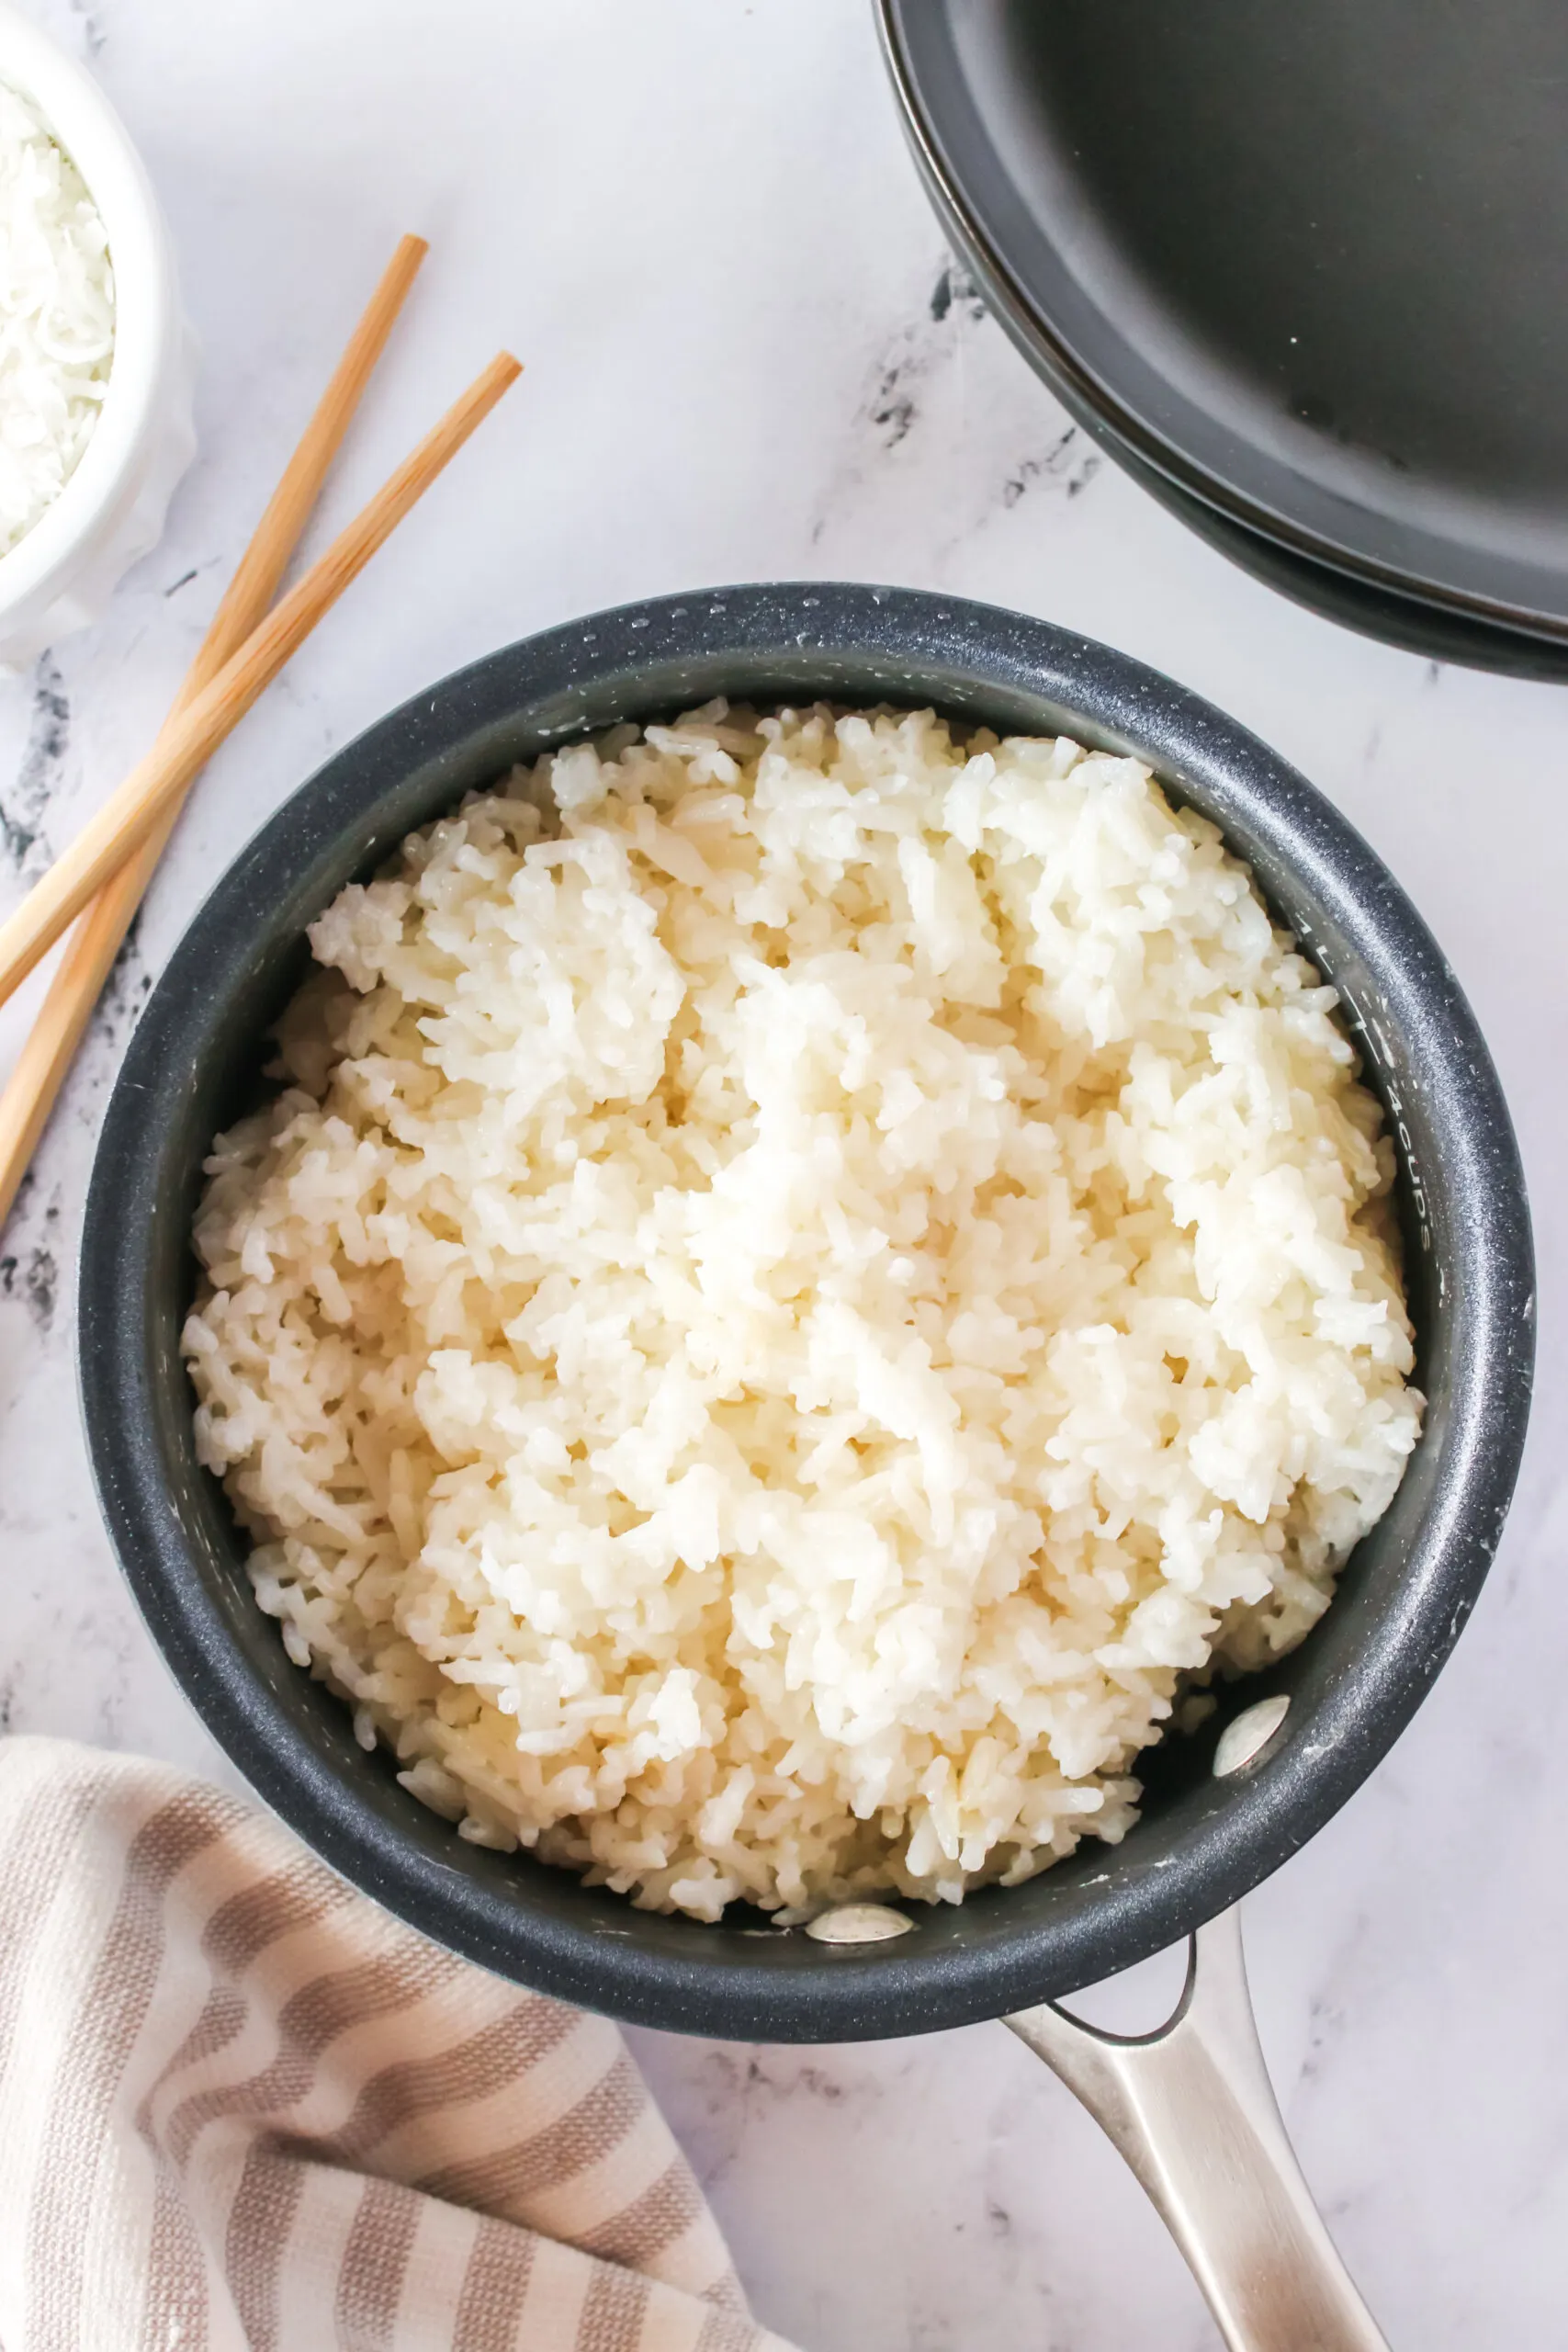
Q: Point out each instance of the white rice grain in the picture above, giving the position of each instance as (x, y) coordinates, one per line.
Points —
(808, 1278)
(56, 318)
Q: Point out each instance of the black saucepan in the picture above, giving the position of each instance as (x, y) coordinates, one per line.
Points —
(1203, 1842)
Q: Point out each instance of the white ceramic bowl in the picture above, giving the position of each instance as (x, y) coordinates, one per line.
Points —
(111, 511)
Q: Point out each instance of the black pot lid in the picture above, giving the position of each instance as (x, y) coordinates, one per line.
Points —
(1306, 261)
(1437, 632)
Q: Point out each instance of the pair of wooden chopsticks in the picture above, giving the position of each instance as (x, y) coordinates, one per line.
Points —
(107, 867)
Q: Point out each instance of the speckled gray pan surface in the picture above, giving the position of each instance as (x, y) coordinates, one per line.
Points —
(196, 1058)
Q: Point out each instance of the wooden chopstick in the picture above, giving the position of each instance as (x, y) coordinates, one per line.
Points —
(155, 785)
(30, 1093)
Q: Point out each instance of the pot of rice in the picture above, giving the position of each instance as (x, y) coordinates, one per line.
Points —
(808, 1281)
(756, 1271)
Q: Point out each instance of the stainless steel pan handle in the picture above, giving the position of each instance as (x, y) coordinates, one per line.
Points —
(1192, 2110)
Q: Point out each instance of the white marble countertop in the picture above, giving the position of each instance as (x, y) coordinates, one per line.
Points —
(695, 221)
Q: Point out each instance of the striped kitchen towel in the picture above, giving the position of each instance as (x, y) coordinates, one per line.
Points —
(243, 2109)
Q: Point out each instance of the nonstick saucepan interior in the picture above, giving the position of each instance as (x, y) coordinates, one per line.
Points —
(1203, 1842)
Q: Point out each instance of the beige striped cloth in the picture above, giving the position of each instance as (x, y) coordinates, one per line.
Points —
(243, 2109)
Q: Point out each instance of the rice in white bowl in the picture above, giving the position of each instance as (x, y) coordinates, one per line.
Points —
(808, 1279)
(57, 317)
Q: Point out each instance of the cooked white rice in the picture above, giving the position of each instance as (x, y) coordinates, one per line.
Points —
(808, 1279)
(56, 317)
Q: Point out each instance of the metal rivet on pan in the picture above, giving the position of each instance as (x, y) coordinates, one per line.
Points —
(1249, 1735)
(859, 1923)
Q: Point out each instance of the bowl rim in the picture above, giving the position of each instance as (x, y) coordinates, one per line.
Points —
(77, 115)
(1296, 1786)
